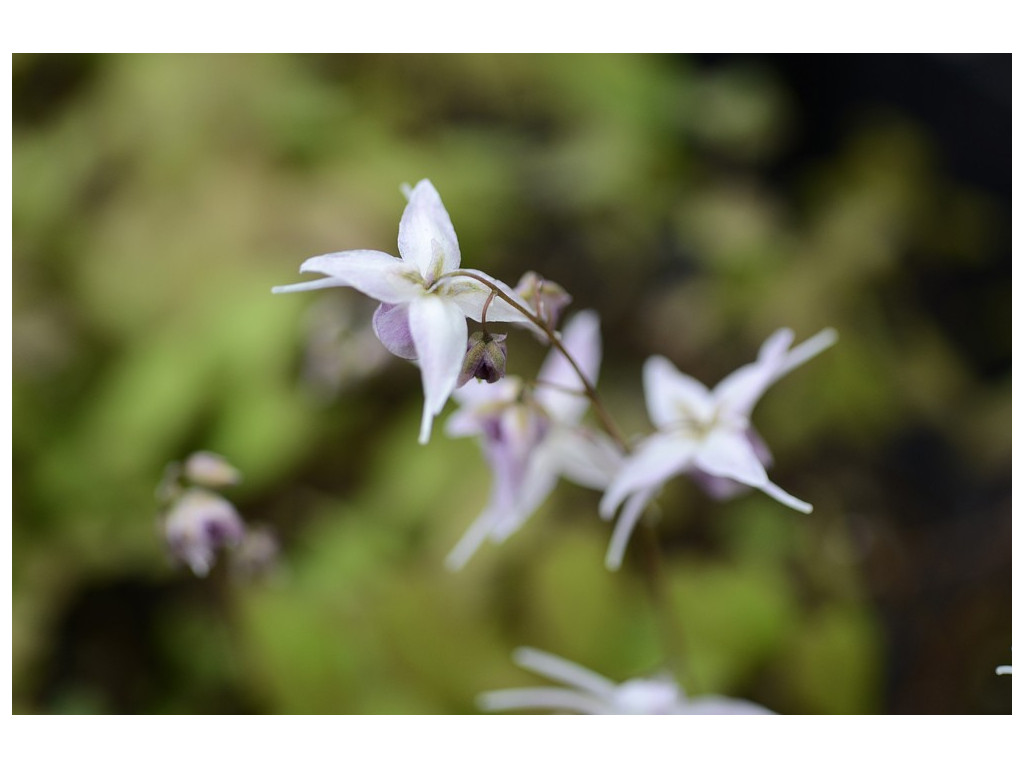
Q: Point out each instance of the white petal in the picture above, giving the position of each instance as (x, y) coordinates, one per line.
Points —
(470, 542)
(630, 516)
(739, 392)
(439, 332)
(656, 459)
(720, 705)
(730, 454)
(587, 458)
(801, 353)
(471, 295)
(539, 479)
(558, 699)
(377, 274)
(788, 499)
(673, 397)
(426, 237)
(581, 338)
(564, 671)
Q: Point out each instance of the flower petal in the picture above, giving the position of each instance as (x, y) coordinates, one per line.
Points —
(563, 671)
(559, 699)
(673, 397)
(801, 353)
(538, 481)
(391, 325)
(471, 540)
(471, 294)
(377, 274)
(721, 705)
(630, 516)
(729, 454)
(587, 458)
(426, 237)
(581, 339)
(655, 460)
(738, 393)
(439, 333)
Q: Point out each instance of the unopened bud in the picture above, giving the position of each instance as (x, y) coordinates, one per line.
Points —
(485, 358)
(545, 297)
(210, 470)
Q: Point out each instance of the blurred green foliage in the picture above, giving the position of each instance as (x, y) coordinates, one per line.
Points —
(156, 200)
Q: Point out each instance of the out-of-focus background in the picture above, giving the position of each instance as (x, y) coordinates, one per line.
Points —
(697, 203)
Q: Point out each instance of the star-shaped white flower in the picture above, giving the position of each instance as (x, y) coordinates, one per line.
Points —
(531, 439)
(592, 694)
(702, 430)
(424, 305)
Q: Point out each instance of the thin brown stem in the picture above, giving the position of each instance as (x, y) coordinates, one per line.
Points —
(589, 391)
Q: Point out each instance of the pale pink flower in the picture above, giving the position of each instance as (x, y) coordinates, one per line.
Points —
(704, 431)
(424, 306)
(532, 438)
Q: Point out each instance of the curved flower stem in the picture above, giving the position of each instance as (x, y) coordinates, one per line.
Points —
(658, 587)
(588, 388)
(657, 582)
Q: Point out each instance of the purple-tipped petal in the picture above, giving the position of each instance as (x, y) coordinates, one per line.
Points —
(391, 325)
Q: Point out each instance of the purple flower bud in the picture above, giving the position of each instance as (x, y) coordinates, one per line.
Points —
(548, 299)
(198, 524)
(485, 358)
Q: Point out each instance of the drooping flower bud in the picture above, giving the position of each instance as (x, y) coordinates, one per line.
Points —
(547, 298)
(199, 523)
(485, 358)
(211, 470)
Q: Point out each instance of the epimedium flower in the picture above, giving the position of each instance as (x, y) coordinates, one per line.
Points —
(198, 524)
(592, 694)
(704, 432)
(425, 296)
(531, 436)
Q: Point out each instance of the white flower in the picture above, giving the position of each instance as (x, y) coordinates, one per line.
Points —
(530, 439)
(705, 431)
(1004, 669)
(424, 305)
(592, 694)
(197, 525)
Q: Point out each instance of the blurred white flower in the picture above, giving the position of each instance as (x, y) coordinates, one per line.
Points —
(530, 439)
(424, 306)
(199, 523)
(704, 431)
(1004, 669)
(592, 694)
